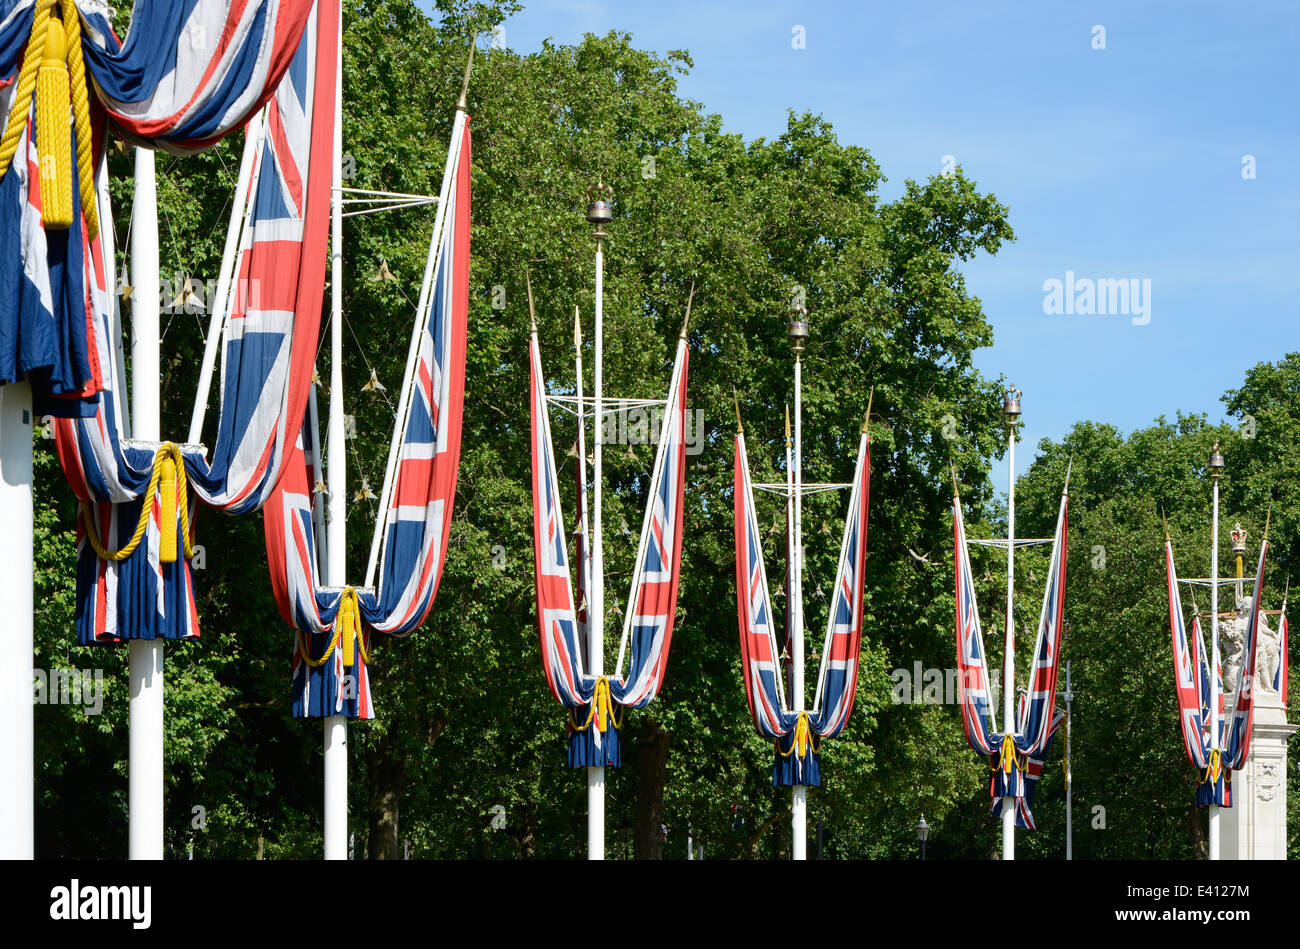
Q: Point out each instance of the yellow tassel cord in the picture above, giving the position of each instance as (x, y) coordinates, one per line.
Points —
(1006, 758)
(1211, 772)
(803, 739)
(51, 44)
(169, 455)
(602, 710)
(348, 631)
(53, 131)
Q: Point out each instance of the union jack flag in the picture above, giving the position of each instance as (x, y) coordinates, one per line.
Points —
(417, 524)
(652, 602)
(797, 732)
(1237, 744)
(1190, 682)
(191, 71)
(1033, 773)
(269, 349)
(1009, 754)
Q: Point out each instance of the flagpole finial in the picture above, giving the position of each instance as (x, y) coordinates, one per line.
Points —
(736, 401)
(462, 104)
(1069, 466)
(532, 314)
(1268, 517)
(1011, 405)
(866, 419)
(956, 492)
(797, 332)
(687, 319)
(599, 207)
(787, 426)
(1216, 461)
(577, 328)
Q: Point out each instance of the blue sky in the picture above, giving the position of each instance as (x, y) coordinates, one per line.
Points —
(1117, 163)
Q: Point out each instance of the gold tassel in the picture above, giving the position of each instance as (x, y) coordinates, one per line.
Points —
(54, 134)
(167, 493)
(347, 629)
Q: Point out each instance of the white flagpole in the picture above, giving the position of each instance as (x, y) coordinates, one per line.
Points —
(799, 793)
(336, 726)
(17, 808)
(145, 675)
(1011, 408)
(596, 618)
(1216, 469)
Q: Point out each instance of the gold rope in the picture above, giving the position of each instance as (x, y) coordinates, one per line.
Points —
(602, 710)
(348, 630)
(803, 738)
(26, 85)
(80, 96)
(81, 117)
(168, 452)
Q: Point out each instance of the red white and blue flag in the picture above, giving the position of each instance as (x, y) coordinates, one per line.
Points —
(798, 733)
(1033, 774)
(652, 602)
(1241, 711)
(192, 71)
(1009, 754)
(268, 353)
(416, 524)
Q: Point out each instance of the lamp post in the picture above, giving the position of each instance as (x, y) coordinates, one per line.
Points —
(797, 333)
(922, 834)
(599, 213)
(1216, 466)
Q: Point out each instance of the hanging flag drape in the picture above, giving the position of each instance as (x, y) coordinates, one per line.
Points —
(52, 279)
(596, 702)
(1241, 711)
(1009, 754)
(329, 676)
(799, 734)
(132, 583)
(190, 72)
(1033, 774)
(1191, 678)
(1214, 760)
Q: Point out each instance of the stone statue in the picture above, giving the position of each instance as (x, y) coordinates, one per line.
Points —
(1232, 643)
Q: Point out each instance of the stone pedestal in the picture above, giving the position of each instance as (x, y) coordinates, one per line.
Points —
(1254, 828)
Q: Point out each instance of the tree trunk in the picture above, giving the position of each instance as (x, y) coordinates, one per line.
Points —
(651, 774)
(387, 781)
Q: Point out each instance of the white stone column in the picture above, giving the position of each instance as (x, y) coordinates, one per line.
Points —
(1254, 828)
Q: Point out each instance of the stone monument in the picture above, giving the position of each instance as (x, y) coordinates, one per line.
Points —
(1254, 828)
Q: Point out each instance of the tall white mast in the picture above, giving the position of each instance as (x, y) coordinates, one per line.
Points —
(1011, 409)
(1216, 469)
(336, 726)
(145, 673)
(599, 214)
(798, 335)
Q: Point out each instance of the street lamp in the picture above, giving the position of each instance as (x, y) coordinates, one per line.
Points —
(922, 833)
